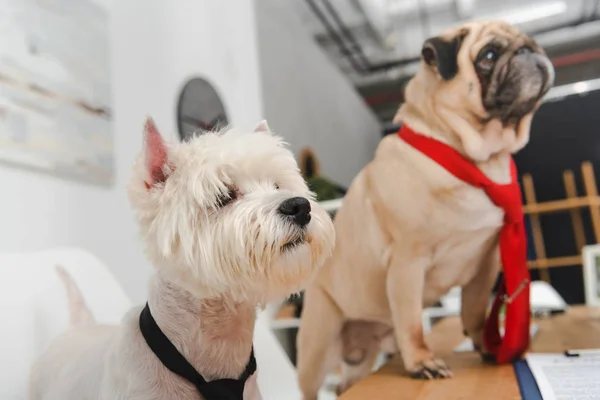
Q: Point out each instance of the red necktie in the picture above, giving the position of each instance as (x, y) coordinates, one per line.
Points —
(514, 289)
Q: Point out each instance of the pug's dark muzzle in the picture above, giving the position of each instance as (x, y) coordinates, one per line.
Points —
(518, 83)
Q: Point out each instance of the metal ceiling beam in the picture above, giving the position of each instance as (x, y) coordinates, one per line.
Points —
(335, 36)
(377, 16)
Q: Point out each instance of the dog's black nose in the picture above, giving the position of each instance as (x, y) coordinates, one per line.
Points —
(298, 209)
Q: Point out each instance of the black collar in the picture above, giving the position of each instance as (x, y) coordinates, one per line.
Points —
(167, 353)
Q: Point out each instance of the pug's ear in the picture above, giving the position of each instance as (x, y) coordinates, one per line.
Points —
(442, 54)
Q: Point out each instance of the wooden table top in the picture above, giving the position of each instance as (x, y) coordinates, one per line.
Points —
(578, 328)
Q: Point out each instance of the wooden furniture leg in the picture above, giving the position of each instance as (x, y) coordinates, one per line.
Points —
(536, 228)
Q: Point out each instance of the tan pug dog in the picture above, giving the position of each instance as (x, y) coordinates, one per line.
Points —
(408, 230)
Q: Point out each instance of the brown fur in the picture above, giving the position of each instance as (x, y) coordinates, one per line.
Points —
(408, 230)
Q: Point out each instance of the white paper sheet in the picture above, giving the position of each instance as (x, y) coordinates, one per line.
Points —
(566, 378)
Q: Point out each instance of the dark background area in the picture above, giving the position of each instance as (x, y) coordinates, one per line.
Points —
(565, 133)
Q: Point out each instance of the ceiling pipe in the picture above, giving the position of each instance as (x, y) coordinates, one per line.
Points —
(568, 35)
(335, 37)
(577, 58)
(368, 68)
(377, 17)
(381, 13)
(593, 10)
(345, 31)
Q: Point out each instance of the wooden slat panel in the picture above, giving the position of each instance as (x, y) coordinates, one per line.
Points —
(556, 262)
(589, 181)
(536, 228)
(561, 205)
(576, 219)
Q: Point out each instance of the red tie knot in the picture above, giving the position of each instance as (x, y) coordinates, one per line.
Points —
(508, 198)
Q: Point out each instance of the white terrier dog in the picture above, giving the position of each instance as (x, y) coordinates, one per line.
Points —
(229, 224)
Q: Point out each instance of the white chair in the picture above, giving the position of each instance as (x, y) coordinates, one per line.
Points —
(34, 310)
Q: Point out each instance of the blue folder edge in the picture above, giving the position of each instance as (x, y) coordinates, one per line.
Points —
(527, 385)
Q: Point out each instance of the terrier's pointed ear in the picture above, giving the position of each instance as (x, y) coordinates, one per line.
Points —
(155, 153)
(442, 53)
(262, 127)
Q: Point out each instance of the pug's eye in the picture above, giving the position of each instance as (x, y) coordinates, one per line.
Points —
(226, 198)
(487, 59)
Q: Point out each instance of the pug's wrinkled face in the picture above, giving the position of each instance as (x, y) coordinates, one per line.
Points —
(478, 88)
(513, 72)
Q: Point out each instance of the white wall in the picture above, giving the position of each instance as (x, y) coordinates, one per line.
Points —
(156, 45)
(307, 99)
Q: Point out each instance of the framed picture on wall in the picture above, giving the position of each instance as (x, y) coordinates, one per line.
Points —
(591, 274)
(55, 88)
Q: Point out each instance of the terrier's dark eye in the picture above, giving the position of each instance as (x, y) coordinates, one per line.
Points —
(276, 186)
(487, 59)
(226, 198)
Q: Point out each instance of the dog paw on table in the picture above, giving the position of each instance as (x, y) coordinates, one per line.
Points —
(486, 358)
(431, 369)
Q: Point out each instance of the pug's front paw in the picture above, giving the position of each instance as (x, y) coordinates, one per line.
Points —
(431, 369)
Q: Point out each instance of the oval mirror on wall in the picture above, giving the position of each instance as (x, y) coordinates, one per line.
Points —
(199, 109)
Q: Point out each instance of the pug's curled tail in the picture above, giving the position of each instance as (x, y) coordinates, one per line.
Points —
(79, 313)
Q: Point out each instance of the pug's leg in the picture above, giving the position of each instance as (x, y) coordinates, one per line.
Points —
(362, 341)
(475, 297)
(388, 345)
(357, 364)
(319, 341)
(405, 284)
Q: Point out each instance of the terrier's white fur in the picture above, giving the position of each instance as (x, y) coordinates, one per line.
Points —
(214, 264)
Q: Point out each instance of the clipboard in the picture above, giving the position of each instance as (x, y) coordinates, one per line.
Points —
(552, 376)
(527, 384)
